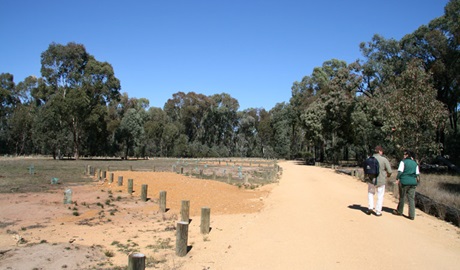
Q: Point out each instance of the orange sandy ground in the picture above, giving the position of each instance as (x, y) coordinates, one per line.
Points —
(105, 223)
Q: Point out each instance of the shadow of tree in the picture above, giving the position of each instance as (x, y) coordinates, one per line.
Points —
(450, 187)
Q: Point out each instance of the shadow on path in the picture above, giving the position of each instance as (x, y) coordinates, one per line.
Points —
(364, 208)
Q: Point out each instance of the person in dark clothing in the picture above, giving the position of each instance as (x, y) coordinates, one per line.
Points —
(407, 179)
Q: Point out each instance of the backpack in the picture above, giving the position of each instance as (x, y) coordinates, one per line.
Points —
(371, 166)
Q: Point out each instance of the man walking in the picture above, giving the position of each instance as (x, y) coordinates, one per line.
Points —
(379, 185)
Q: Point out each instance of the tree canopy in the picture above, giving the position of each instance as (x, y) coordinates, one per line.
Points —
(402, 94)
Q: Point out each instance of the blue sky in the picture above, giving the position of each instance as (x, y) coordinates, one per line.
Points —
(252, 50)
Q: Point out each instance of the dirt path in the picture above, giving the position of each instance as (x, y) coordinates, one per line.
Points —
(314, 219)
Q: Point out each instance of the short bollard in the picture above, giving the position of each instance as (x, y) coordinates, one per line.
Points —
(185, 211)
(68, 196)
(181, 238)
(136, 261)
(144, 193)
(205, 220)
(130, 186)
(162, 201)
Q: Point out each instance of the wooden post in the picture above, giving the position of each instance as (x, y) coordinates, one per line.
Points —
(120, 180)
(136, 261)
(130, 186)
(104, 174)
(144, 193)
(181, 238)
(181, 170)
(163, 201)
(111, 178)
(205, 220)
(185, 211)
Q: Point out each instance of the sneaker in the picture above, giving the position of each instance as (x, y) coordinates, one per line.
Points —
(395, 212)
(369, 211)
(378, 214)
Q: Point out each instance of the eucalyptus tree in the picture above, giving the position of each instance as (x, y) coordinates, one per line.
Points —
(383, 62)
(245, 135)
(130, 131)
(281, 116)
(154, 127)
(8, 101)
(254, 131)
(438, 46)
(325, 101)
(21, 119)
(220, 122)
(168, 138)
(265, 133)
(187, 110)
(80, 88)
(413, 115)
(50, 135)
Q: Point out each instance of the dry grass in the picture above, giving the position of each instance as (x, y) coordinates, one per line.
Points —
(443, 189)
(16, 174)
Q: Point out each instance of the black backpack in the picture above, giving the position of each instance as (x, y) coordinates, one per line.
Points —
(371, 166)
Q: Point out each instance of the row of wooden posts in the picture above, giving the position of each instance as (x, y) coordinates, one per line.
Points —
(136, 261)
(100, 174)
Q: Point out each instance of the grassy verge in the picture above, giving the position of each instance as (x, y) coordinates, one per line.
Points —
(444, 189)
(20, 175)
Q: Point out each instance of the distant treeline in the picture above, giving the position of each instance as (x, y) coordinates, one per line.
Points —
(403, 94)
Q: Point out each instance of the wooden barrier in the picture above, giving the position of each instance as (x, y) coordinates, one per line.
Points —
(181, 238)
(144, 193)
(136, 261)
(185, 211)
(130, 186)
(163, 201)
(205, 220)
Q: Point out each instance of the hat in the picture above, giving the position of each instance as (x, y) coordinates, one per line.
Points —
(378, 148)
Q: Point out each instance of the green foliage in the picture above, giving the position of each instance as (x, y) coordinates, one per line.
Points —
(413, 115)
(396, 97)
